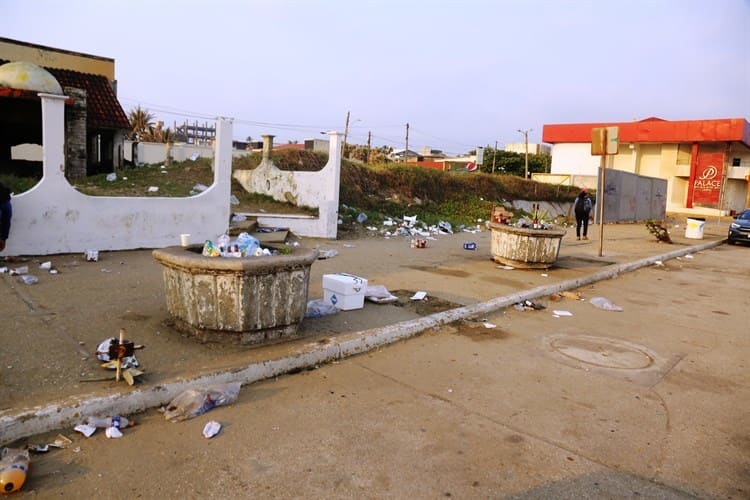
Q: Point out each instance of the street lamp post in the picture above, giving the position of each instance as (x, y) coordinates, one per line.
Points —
(526, 142)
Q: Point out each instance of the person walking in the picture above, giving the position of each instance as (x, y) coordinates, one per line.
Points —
(6, 213)
(582, 207)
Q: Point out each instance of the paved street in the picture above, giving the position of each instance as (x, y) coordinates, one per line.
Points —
(650, 402)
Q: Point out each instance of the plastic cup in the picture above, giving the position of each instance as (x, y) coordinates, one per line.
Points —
(185, 239)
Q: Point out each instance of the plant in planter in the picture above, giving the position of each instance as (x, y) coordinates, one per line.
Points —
(658, 229)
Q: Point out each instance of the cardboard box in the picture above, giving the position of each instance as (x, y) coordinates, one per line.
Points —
(345, 291)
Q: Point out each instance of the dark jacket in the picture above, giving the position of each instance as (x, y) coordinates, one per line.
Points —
(582, 205)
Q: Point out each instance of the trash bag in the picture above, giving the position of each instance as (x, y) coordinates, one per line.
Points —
(194, 402)
(247, 244)
(604, 304)
(319, 308)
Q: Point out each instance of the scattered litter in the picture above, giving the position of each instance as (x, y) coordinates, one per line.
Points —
(194, 402)
(61, 442)
(38, 448)
(108, 351)
(388, 222)
(194, 156)
(327, 254)
(153, 189)
(19, 270)
(379, 294)
(46, 265)
(528, 305)
(233, 200)
(689, 256)
(371, 228)
(419, 296)
(239, 218)
(112, 177)
(85, 429)
(319, 308)
(418, 243)
(507, 268)
(53, 271)
(658, 263)
(349, 245)
(470, 245)
(199, 188)
(410, 221)
(571, 295)
(3, 269)
(211, 429)
(113, 433)
(14, 464)
(605, 304)
(558, 313)
(105, 270)
(361, 217)
(555, 297)
(488, 325)
(29, 279)
(545, 275)
(91, 255)
(445, 227)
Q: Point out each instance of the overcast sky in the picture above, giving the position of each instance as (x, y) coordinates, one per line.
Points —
(462, 73)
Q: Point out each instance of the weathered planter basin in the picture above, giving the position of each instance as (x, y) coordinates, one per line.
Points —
(525, 247)
(246, 300)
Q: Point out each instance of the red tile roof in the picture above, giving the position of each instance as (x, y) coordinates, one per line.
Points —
(103, 110)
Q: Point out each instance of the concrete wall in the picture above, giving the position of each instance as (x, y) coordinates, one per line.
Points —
(52, 217)
(156, 152)
(311, 189)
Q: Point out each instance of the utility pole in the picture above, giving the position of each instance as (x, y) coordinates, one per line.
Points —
(369, 136)
(406, 151)
(346, 132)
(526, 141)
(494, 157)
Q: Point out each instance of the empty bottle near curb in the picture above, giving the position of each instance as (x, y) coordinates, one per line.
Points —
(116, 421)
(14, 465)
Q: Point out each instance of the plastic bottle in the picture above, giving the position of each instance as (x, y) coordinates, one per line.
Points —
(14, 465)
(116, 421)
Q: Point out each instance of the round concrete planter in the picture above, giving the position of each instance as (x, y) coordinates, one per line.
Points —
(247, 300)
(525, 247)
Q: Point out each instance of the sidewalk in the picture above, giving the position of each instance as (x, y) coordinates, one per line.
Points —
(52, 328)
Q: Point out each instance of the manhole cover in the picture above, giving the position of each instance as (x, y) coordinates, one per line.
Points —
(607, 353)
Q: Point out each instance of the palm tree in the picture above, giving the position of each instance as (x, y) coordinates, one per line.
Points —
(141, 120)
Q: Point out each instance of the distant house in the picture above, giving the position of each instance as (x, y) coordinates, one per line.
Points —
(411, 156)
(95, 123)
(534, 149)
(429, 154)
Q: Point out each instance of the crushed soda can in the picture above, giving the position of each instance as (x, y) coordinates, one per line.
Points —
(470, 245)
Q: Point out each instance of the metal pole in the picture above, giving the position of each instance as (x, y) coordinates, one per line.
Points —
(600, 192)
(346, 132)
(494, 157)
(406, 151)
(526, 140)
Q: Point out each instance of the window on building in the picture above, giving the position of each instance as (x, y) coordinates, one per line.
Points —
(736, 162)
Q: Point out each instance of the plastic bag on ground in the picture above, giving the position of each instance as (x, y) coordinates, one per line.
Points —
(604, 304)
(194, 402)
(319, 308)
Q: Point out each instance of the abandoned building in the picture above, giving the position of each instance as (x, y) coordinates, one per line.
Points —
(95, 123)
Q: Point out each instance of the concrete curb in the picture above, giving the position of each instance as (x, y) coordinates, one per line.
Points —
(69, 412)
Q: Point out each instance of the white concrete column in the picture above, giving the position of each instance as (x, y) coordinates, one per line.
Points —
(329, 212)
(53, 135)
(223, 158)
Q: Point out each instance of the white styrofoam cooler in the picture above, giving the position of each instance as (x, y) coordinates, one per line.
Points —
(345, 291)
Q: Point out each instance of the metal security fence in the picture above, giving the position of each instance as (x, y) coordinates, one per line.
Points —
(630, 197)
